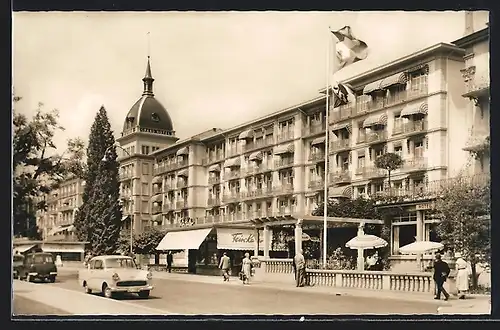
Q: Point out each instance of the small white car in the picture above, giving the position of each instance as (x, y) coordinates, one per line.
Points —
(111, 275)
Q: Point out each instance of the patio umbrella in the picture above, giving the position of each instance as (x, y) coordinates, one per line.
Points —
(421, 247)
(365, 242)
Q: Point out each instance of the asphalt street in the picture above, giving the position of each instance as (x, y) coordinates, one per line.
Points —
(24, 306)
(187, 297)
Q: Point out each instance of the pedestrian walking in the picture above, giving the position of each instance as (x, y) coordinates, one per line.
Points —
(441, 273)
(224, 265)
(170, 259)
(300, 269)
(246, 269)
(462, 275)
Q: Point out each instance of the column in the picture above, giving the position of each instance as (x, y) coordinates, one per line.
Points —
(361, 258)
(298, 236)
(420, 225)
(266, 241)
(256, 247)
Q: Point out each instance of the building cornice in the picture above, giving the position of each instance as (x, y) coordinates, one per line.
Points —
(473, 38)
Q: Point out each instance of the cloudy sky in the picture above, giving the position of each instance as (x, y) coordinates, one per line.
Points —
(211, 69)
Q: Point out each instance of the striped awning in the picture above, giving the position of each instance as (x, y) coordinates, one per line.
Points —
(182, 151)
(157, 218)
(256, 156)
(317, 141)
(380, 119)
(157, 179)
(371, 87)
(339, 126)
(415, 110)
(284, 149)
(157, 199)
(233, 162)
(398, 78)
(184, 173)
(340, 192)
(246, 135)
(214, 168)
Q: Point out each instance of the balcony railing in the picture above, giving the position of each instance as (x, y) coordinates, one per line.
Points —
(166, 167)
(255, 145)
(341, 176)
(231, 197)
(261, 214)
(213, 179)
(285, 210)
(181, 204)
(259, 192)
(317, 156)
(371, 172)
(167, 206)
(377, 137)
(476, 83)
(213, 158)
(233, 217)
(213, 201)
(314, 128)
(126, 175)
(341, 114)
(232, 151)
(213, 218)
(410, 127)
(181, 184)
(338, 145)
(169, 187)
(283, 162)
(284, 188)
(316, 184)
(417, 163)
(285, 136)
(233, 175)
(361, 138)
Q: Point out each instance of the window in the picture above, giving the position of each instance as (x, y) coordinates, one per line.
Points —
(145, 188)
(361, 132)
(145, 169)
(378, 187)
(344, 162)
(361, 161)
(418, 82)
(153, 149)
(98, 264)
(397, 93)
(418, 149)
(398, 149)
(120, 263)
(42, 258)
(361, 191)
(145, 150)
(145, 207)
(362, 102)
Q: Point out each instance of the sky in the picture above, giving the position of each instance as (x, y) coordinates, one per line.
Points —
(217, 69)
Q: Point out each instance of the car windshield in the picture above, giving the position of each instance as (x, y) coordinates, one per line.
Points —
(42, 258)
(18, 258)
(120, 263)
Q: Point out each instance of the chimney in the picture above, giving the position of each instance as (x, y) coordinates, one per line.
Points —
(469, 23)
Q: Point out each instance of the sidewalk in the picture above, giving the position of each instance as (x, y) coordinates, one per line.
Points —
(77, 303)
(475, 304)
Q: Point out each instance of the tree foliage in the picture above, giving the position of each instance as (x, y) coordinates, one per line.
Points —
(147, 241)
(37, 169)
(389, 162)
(98, 220)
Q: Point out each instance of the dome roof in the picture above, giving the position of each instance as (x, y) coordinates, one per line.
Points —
(147, 112)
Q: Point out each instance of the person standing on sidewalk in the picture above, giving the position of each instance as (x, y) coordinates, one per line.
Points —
(300, 268)
(246, 268)
(462, 275)
(170, 259)
(224, 265)
(441, 273)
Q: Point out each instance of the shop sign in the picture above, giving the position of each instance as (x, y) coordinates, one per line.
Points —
(424, 206)
(239, 239)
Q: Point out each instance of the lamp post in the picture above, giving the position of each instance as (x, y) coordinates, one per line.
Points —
(105, 159)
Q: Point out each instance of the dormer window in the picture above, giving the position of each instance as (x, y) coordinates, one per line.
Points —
(155, 117)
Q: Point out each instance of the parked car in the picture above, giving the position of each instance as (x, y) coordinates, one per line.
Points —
(17, 264)
(113, 274)
(38, 265)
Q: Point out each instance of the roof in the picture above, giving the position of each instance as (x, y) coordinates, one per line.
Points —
(110, 257)
(473, 38)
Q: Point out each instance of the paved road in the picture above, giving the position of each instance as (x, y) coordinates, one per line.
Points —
(185, 297)
(24, 306)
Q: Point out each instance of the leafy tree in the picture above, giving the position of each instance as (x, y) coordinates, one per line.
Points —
(389, 162)
(98, 219)
(147, 241)
(464, 208)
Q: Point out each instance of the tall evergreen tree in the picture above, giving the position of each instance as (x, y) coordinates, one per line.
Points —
(98, 219)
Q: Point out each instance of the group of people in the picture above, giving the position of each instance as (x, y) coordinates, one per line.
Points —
(442, 272)
(246, 268)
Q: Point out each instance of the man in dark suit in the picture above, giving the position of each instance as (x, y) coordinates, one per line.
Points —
(170, 259)
(441, 273)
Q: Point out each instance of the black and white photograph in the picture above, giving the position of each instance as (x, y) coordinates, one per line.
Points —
(218, 163)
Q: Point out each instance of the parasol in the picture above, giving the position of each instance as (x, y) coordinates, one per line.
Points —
(366, 242)
(421, 247)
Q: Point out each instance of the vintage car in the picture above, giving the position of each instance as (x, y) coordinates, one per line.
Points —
(114, 274)
(38, 265)
(17, 264)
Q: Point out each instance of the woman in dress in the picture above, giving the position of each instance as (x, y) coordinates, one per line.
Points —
(462, 275)
(246, 268)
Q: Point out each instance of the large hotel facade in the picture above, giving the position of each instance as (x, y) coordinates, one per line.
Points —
(430, 107)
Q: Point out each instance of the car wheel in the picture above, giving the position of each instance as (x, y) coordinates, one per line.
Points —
(87, 290)
(52, 279)
(144, 294)
(106, 291)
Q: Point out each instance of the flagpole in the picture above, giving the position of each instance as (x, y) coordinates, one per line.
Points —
(327, 129)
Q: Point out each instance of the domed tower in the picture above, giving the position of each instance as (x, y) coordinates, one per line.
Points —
(147, 128)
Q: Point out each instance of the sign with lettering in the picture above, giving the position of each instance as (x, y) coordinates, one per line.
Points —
(240, 239)
(425, 206)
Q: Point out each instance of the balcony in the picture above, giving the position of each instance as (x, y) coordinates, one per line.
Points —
(213, 201)
(377, 137)
(417, 126)
(283, 163)
(218, 157)
(285, 188)
(260, 214)
(213, 218)
(181, 204)
(181, 184)
(395, 98)
(316, 184)
(233, 175)
(232, 151)
(259, 192)
(415, 164)
(285, 210)
(214, 180)
(344, 112)
(340, 145)
(477, 84)
(231, 197)
(317, 157)
(255, 145)
(126, 176)
(342, 176)
(232, 217)
(314, 128)
(169, 187)
(361, 139)
(371, 172)
(167, 207)
(285, 136)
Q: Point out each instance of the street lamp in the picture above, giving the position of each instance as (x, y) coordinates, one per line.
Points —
(132, 218)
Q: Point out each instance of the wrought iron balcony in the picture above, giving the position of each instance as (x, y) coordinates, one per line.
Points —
(341, 176)
(126, 175)
(415, 164)
(314, 129)
(371, 172)
(317, 157)
(284, 188)
(477, 84)
(377, 137)
(283, 163)
(285, 136)
(344, 112)
(235, 174)
(213, 218)
(316, 184)
(214, 179)
(339, 145)
(231, 197)
(213, 201)
(181, 184)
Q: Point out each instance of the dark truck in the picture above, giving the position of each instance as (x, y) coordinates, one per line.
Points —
(39, 266)
(17, 264)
